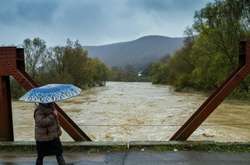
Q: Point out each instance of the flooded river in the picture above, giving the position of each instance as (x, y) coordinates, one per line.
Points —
(123, 111)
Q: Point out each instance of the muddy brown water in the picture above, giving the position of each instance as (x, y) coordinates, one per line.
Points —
(131, 111)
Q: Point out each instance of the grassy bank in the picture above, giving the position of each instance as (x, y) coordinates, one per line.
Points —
(204, 146)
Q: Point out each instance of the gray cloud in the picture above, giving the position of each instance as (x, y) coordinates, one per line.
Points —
(93, 21)
(15, 12)
(41, 11)
(159, 6)
(152, 5)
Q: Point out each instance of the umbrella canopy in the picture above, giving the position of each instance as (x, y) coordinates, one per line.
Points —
(51, 93)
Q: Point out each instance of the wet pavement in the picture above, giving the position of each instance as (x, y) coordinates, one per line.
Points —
(135, 158)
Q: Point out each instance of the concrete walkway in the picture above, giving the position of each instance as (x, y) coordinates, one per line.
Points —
(135, 158)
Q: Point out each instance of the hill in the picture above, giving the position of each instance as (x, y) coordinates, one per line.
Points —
(139, 52)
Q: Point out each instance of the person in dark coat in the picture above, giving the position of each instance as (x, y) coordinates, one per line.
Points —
(47, 133)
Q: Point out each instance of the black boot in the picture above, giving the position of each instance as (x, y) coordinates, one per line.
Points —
(60, 160)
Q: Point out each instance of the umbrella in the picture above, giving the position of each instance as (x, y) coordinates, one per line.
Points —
(51, 93)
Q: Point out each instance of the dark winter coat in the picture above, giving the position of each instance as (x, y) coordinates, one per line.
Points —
(46, 124)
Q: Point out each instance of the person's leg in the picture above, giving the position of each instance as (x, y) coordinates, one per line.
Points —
(60, 159)
(39, 160)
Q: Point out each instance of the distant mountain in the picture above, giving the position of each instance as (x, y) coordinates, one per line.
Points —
(138, 53)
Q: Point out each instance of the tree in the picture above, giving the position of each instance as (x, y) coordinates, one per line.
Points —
(159, 73)
(35, 53)
(61, 64)
(211, 47)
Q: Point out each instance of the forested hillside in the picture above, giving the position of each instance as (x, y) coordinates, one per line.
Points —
(211, 49)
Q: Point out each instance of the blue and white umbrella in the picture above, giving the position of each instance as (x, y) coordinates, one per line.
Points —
(51, 93)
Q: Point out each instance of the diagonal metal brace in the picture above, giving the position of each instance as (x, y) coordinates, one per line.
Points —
(218, 95)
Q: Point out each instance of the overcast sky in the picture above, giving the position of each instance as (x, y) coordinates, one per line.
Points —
(94, 22)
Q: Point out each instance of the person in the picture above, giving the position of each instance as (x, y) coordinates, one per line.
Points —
(47, 133)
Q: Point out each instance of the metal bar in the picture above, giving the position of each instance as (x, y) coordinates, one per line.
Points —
(217, 97)
(6, 124)
(67, 123)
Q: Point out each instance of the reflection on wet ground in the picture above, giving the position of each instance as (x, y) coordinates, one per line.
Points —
(123, 111)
